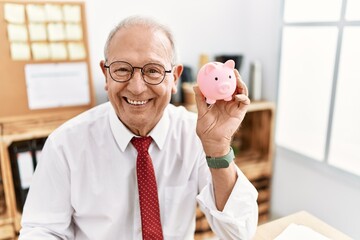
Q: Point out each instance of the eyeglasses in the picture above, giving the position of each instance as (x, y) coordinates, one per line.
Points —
(152, 73)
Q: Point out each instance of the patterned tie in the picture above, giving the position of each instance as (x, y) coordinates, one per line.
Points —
(149, 202)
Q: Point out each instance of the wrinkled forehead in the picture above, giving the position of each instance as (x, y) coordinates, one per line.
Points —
(141, 39)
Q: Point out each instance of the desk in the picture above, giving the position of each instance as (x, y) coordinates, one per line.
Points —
(272, 229)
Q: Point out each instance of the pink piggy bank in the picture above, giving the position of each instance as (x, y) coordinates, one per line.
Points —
(217, 81)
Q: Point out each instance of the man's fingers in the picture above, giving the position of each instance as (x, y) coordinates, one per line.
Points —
(242, 98)
(200, 101)
(240, 85)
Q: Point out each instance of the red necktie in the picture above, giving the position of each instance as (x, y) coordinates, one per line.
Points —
(148, 195)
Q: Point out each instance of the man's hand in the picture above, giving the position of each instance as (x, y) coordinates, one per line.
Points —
(218, 122)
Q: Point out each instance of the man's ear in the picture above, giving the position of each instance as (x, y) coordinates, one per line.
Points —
(178, 69)
(103, 69)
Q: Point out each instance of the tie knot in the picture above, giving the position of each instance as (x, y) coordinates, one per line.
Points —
(141, 143)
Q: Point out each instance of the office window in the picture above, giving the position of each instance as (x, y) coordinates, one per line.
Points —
(306, 75)
(319, 80)
(353, 10)
(345, 136)
(312, 10)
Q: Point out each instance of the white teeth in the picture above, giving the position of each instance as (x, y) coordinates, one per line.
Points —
(133, 102)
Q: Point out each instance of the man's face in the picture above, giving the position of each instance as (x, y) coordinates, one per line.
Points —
(138, 104)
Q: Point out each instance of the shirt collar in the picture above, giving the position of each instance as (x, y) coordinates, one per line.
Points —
(123, 135)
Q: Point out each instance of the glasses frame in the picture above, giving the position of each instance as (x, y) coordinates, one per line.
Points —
(141, 70)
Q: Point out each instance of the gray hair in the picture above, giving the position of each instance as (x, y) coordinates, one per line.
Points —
(148, 22)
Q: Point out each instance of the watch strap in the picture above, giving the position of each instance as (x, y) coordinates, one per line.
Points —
(221, 162)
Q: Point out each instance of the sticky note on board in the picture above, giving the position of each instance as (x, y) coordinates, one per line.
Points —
(20, 51)
(53, 13)
(35, 12)
(72, 13)
(14, 13)
(76, 51)
(58, 51)
(37, 32)
(40, 51)
(56, 31)
(17, 32)
(73, 31)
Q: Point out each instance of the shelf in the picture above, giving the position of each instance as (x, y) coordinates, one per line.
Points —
(29, 127)
(264, 195)
(261, 106)
(263, 218)
(14, 129)
(255, 170)
(5, 220)
(204, 236)
(2, 198)
(7, 232)
(264, 208)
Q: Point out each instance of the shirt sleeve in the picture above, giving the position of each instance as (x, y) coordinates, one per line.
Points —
(47, 212)
(239, 218)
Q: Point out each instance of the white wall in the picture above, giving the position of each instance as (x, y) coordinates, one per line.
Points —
(325, 191)
(251, 28)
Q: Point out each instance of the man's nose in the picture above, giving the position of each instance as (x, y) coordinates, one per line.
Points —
(137, 84)
(137, 73)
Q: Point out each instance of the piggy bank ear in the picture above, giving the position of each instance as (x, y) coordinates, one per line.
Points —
(230, 63)
(209, 67)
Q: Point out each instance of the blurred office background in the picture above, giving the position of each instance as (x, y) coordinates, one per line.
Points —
(305, 57)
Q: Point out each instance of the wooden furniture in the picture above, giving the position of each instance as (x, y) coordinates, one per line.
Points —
(64, 28)
(253, 144)
(18, 129)
(272, 229)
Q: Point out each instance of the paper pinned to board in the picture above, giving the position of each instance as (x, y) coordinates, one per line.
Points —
(72, 13)
(40, 51)
(56, 31)
(53, 13)
(37, 32)
(35, 13)
(14, 13)
(53, 85)
(58, 51)
(300, 232)
(20, 51)
(17, 33)
(73, 31)
(76, 51)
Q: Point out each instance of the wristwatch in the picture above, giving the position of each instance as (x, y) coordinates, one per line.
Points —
(221, 162)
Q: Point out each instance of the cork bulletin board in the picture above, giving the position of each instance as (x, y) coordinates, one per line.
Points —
(44, 58)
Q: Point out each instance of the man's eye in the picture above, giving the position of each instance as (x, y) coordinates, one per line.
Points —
(122, 70)
(153, 71)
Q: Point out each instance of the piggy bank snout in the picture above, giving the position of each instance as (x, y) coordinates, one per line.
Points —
(224, 88)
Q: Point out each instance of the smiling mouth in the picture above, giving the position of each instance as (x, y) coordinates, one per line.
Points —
(136, 102)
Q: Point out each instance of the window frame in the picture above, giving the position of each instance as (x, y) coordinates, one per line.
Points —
(340, 25)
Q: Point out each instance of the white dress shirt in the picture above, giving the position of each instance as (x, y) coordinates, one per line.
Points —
(85, 186)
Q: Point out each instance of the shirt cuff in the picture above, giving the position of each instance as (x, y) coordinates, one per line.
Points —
(241, 208)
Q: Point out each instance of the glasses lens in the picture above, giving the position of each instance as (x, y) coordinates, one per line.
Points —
(121, 71)
(153, 73)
